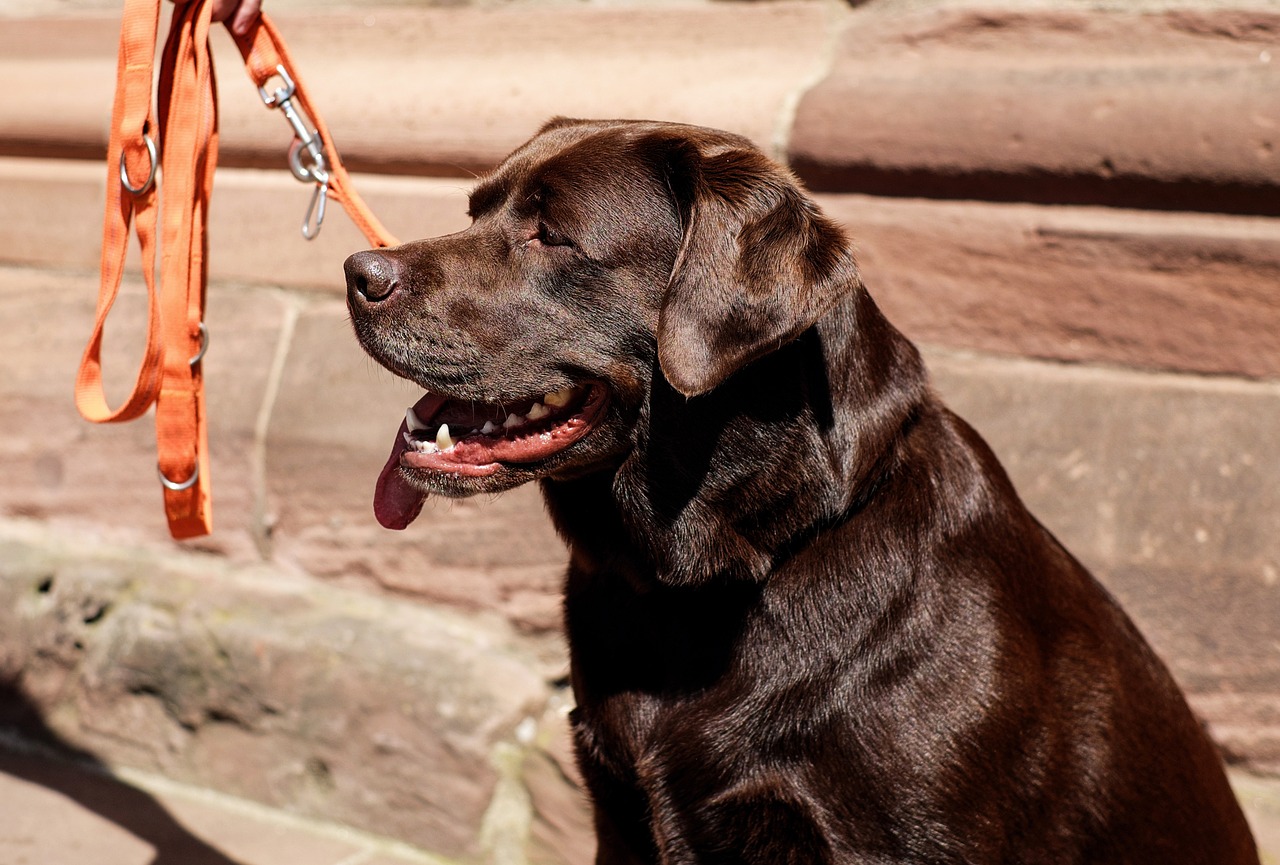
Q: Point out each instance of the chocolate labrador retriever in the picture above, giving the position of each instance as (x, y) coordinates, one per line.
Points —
(809, 619)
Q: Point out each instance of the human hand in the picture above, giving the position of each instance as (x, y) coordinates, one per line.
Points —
(238, 14)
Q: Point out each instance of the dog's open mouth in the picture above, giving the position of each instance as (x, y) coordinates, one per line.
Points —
(475, 440)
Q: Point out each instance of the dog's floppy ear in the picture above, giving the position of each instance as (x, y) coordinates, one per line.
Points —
(758, 263)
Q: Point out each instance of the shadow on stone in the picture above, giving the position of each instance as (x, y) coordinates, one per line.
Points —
(30, 751)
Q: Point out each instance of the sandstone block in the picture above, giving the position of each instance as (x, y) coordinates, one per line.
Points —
(1170, 111)
(1167, 488)
(327, 703)
(442, 91)
(63, 469)
(254, 223)
(1193, 293)
(562, 829)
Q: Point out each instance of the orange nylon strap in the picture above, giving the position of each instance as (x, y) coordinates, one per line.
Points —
(131, 165)
(189, 134)
(170, 375)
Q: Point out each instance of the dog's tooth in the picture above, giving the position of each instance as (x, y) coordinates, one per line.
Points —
(512, 421)
(538, 411)
(489, 428)
(418, 445)
(411, 419)
(442, 437)
(559, 398)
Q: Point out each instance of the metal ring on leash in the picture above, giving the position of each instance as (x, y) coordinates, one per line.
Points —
(204, 345)
(176, 487)
(151, 175)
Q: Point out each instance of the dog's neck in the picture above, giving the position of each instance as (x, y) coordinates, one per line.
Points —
(811, 451)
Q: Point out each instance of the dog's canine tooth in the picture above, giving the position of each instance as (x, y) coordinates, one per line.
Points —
(538, 411)
(412, 420)
(442, 437)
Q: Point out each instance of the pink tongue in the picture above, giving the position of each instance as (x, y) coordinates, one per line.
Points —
(395, 503)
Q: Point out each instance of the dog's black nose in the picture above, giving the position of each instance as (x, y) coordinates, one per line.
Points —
(371, 275)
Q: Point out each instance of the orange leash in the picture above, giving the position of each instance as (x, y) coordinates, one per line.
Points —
(180, 141)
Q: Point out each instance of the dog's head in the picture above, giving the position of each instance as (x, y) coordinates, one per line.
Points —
(604, 258)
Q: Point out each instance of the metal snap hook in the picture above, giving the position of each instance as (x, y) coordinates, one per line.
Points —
(312, 149)
(151, 175)
(283, 94)
(315, 213)
(178, 487)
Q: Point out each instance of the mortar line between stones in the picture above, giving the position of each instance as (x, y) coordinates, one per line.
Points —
(261, 526)
(838, 21)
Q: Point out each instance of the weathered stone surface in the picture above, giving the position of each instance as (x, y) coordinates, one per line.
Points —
(60, 468)
(1186, 292)
(335, 422)
(1167, 488)
(332, 704)
(1194, 293)
(1261, 800)
(562, 830)
(255, 228)
(1174, 111)
(254, 223)
(36, 194)
(444, 89)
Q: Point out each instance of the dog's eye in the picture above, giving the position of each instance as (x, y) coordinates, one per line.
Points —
(550, 237)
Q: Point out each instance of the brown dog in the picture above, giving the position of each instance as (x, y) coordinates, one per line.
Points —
(809, 618)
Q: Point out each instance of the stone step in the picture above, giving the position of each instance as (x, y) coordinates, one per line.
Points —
(1164, 291)
(60, 808)
(1173, 109)
(411, 723)
(444, 91)
(1178, 110)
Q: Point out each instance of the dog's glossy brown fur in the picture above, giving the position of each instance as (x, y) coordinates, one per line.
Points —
(809, 618)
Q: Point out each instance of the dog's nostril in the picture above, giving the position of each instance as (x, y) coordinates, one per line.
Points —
(371, 275)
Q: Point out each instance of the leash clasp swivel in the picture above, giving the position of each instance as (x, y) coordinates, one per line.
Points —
(306, 154)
